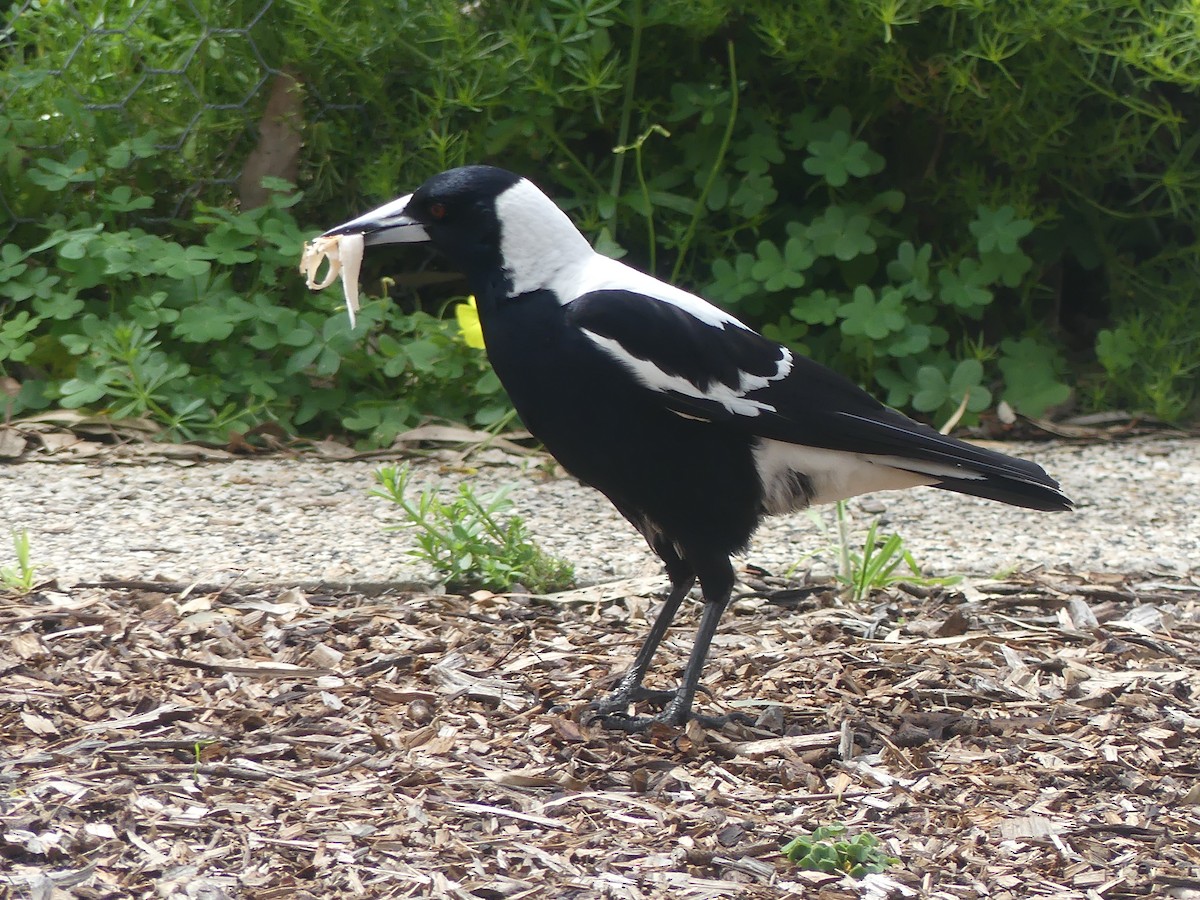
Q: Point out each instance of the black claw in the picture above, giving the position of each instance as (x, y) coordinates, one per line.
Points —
(671, 718)
(716, 723)
(630, 724)
(619, 700)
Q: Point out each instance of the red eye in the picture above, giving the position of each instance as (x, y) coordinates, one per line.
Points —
(437, 210)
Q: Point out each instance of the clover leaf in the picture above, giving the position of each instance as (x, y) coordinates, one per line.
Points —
(998, 229)
(755, 154)
(841, 234)
(870, 317)
(754, 193)
(817, 308)
(935, 390)
(910, 270)
(1116, 349)
(1006, 268)
(733, 282)
(780, 270)
(914, 338)
(899, 387)
(964, 288)
(1030, 369)
(841, 157)
(14, 332)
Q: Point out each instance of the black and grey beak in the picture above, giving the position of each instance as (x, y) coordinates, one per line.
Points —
(386, 225)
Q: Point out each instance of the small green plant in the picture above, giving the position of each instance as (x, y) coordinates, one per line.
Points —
(466, 541)
(1152, 363)
(20, 578)
(829, 849)
(882, 561)
(878, 564)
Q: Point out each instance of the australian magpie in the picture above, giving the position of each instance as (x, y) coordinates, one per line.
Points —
(691, 423)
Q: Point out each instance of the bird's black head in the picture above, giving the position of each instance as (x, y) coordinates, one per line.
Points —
(497, 228)
(457, 209)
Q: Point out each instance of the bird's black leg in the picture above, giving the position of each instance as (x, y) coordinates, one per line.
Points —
(717, 583)
(629, 689)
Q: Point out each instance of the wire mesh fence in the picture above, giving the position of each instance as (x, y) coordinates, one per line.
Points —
(178, 99)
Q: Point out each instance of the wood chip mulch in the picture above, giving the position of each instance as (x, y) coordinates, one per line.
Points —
(1038, 737)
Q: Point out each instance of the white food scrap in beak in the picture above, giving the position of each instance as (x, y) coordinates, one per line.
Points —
(345, 253)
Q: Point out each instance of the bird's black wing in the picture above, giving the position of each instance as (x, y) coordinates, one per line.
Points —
(717, 370)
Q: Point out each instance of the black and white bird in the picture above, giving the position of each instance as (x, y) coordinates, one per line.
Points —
(691, 423)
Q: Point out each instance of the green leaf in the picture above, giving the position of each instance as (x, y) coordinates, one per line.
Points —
(1006, 268)
(899, 389)
(841, 157)
(841, 234)
(183, 262)
(967, 376)
(60, 306)
(121, 199)
(932, 389)
(1116, 349)
(872, 317)
(962, 289)
(780, 271)
(230, 247)
(935, 391)
(754, 193)
(1031, 382)
(202, 324)
(998, 229)
(829, 848)
(802, 128)
(910, 270)
(757, 153)
(423, 354)
(913, 339)
(817, 308)
(13, 332)
(735, 281)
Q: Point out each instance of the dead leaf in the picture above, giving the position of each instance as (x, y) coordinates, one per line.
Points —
(12, 442)
(38, 724)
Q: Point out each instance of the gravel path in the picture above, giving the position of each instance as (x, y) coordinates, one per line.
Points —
(286, 520)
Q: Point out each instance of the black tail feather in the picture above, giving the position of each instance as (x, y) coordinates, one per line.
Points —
(1044, 495)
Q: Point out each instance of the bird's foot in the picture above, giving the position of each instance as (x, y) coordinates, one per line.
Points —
(620, 721)
(620, 699)
(612, 713)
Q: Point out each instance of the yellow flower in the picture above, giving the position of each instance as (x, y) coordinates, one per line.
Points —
(468, 323)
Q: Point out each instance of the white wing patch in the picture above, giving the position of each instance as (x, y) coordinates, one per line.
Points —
(732, 398)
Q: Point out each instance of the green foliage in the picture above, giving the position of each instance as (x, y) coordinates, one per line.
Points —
(943, 199)
(21, 578)
(465, 540)
(132, 323)
(841, 262)
(1152, 362)
(1032, 376)
(830, 849)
